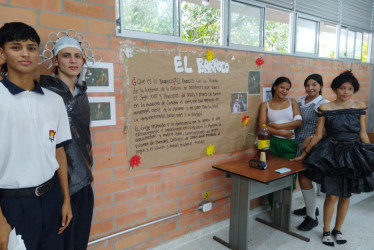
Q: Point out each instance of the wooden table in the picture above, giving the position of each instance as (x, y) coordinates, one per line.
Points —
(248, 183)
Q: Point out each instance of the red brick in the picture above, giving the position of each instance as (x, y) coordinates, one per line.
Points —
(102, 175)
(132, 240)
(126, 171)
(111, 14)
(161, 45)
(113, 211)
(176, 172)
(103, 201)
(46, 5)
(162, 209)
(130, 194)
(177, 233)
(9, 14)
(162, 187)
(110, 187)
(110, 161)
(146, 179)
(201, 224)
(147, 201)
(212, 174)
(119, 147)
(101, 27)
(109, 136)
(101, 227)
(84, 9)
(149, 244)
(201, 167)
(188, 219)
(62, 21)
(161, 229)
(288, 59)
(130, 218)
(101, 150)
(178, 193)
(189, 201)
(202, 187)
(280, 68)
(194, 178)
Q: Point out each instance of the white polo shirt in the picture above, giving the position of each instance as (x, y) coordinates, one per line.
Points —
(32, 125)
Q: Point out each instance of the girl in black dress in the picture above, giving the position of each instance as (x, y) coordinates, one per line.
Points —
(342, 160)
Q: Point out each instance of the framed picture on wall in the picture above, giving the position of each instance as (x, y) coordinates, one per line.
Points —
(98, 76)
(103, 111)
(239, 102)
(254, 79)
(266, 94)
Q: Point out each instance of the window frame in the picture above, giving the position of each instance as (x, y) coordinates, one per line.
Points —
(355, 30)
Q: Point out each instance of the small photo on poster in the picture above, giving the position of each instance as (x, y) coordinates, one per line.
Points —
(266, 94)
(239, 101)
(254, 79)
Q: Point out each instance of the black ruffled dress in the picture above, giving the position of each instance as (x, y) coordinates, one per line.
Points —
(340, 162)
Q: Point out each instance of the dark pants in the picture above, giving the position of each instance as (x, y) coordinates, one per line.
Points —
(37, 219)
(77, 233)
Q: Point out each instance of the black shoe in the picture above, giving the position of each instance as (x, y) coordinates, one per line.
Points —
(302, 211)
(338, 237)
(327, 240)
(308, 224)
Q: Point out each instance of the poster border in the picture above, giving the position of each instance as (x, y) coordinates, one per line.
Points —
(112, 101)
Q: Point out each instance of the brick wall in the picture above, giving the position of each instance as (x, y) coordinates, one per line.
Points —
(123, 198)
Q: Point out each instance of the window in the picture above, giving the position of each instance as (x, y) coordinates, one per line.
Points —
(277, 31)
(327, 40)
(246, 24)
(200, 23)
(151, 16)
(306, 35)
(366, 47)
(354, 44)
(331, 29)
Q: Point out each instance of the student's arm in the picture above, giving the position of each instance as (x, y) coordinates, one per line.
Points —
(290, 125)
(318, 135)
(363, 135)
(66, 213)
(262, 119)
(4, 231)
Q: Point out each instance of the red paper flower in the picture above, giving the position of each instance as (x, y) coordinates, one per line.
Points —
(135, 161)
(245, 120)
(259, 61)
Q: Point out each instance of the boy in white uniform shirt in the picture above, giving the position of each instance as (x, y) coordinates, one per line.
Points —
(34, 127)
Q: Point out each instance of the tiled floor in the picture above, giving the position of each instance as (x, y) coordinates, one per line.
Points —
(358, 229)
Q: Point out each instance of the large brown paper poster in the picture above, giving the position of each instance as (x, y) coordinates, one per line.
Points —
(177, 103)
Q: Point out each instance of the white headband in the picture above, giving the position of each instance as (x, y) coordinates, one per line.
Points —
(66, 42)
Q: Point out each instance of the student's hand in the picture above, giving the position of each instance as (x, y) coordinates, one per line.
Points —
(4, 235)
(306, 142)
(299, 158)
(66, 215)
(273, 125)
(286, 134)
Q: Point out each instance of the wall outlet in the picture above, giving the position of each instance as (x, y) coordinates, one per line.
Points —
(206, 206)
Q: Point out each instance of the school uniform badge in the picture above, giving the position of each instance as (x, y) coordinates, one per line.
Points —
(52, 134)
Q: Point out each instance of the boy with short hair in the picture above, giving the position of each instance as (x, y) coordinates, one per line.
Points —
(34, 128)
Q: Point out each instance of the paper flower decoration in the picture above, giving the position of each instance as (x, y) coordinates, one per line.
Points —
(210, 149)
(135, 161)
(259, 61)
(245, 120)
(209, 55)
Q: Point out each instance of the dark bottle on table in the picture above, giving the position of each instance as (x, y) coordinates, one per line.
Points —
(263, 142)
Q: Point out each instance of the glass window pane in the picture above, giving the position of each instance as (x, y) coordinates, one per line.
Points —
(327, 40)
(200, 23)
(153, 16)
(343, 43)
(277, 31)
(350, 43)
(358, 45)
(366, 47)
(306, 35)
(245, 24)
